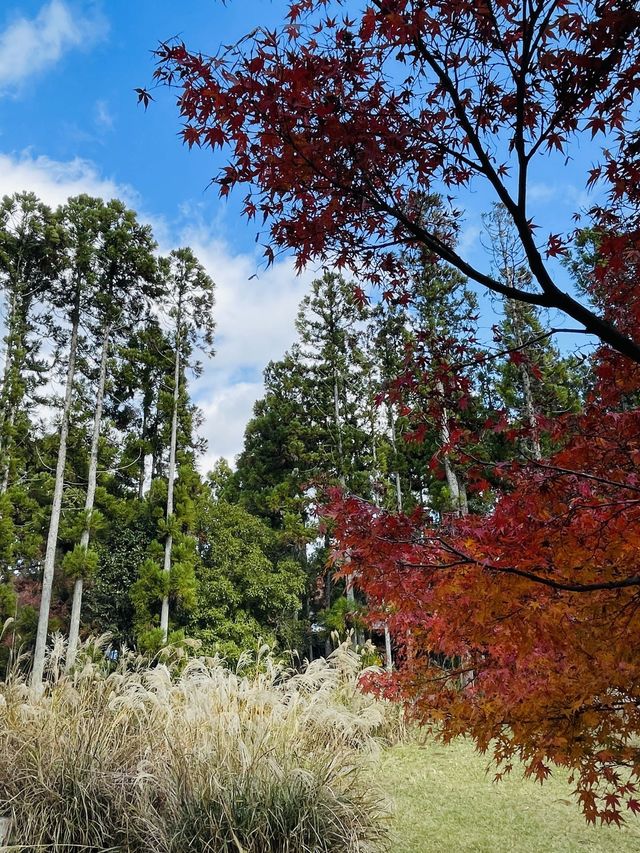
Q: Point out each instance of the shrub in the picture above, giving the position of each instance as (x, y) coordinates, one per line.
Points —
(200, 759)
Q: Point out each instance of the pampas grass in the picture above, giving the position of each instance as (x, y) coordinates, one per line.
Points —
(193, 757)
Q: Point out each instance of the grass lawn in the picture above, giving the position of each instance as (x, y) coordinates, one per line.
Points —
(446, 803)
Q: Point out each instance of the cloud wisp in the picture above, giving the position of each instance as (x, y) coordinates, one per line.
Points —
(254, 314)
(28, 46)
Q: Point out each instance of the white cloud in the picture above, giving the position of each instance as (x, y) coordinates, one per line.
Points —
(29, 46)
(226, 411)
(103, 117)
(255, 324)
(541, 192)
(254, 314)
(53, 181)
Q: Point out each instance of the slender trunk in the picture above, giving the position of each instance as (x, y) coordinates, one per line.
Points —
(8, 347)
(5, 451)
(6, 405)
(351, 598)
(398, 482)
(164, 614)
(530, 412)
(143, 455)
(528, 406)
(336, 415)
(456, 486)
(327, 600)
(388, 655)
(74, 625)
(56, 507)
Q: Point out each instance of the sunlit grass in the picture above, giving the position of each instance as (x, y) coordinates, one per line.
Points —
(447, 803)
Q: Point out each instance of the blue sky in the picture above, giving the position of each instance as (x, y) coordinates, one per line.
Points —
(69, 123)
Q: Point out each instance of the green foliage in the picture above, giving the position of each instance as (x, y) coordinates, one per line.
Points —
(108, 605)
(81, 562)
(8, 602)
(343, 616)
(148, 591)
(248, 589)
(7, 530)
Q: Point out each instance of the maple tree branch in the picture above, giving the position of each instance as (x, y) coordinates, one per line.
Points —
(582, 474)
(554, 296)
(431, 241)
(536, 339)
(561, 586)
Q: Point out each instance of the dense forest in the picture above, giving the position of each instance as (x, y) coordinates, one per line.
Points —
(106, 522)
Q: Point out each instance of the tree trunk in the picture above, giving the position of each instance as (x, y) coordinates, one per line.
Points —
(164, 614)
(74, 625)
(56, 507)
(5, 451)
(6, 406)
(143, 455)
(398, 482)
(388, 655)
(457, 489)
(528, 406)
(327, 599)
(351, 598)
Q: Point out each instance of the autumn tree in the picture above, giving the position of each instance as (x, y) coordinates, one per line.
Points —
(338, 124)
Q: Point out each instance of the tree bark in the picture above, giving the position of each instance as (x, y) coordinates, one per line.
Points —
(164, 613)
(398, 482)
(37, 672)
(74, 625)
(456, 486)
(528, 405)
(143, 455)
(6, 407)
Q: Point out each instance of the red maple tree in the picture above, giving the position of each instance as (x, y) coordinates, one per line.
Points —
(337, 125)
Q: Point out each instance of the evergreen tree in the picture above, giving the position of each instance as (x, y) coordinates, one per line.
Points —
(249, 589)
(125, 280)
(28, 263)
(535, 381)
(79, 225)
(188, 302)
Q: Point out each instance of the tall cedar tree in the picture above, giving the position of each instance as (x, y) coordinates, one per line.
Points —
(28, 258)
(126, 279)
(79, 228)
(189, 299)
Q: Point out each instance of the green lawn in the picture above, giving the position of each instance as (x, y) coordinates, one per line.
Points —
(446, 803)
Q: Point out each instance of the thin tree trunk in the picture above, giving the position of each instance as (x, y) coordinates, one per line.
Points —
(351, 598)
(143, 455)
(5, 452)
(6, 406)
(327, 600)
(398, 482)
(76, 607)
(56, 506)
(6, 368)
(456, 487)
(388, 655)
(528, 406)
(164, 614)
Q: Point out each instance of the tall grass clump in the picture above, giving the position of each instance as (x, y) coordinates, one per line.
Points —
(166, 760)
